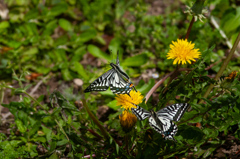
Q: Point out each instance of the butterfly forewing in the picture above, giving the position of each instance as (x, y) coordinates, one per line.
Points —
(173, 112)
(101, 83)
(116, 78)
(140, 113)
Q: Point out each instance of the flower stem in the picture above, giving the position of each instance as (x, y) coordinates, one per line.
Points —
(223, 67)
(34, 100)
(126, 141)
(61, 128)
(102, 129)
(161, 81)
(189, 28)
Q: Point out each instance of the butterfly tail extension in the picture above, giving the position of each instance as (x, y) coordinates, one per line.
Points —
(171, 132)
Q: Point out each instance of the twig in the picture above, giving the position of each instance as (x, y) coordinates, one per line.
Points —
(95, 134)
(62, 129)
(89, 156)
(37, 85)
(102, 129)
(209, 67)
(2, 97)
(161, 81)
(190, 27)
(156, 86)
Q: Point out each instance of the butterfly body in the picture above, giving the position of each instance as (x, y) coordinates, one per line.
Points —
(118, 81)
(161, 121)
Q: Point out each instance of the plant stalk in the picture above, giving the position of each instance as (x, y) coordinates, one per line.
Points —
(223, 67)
(62, 129)
(95, 120)
(34, 100)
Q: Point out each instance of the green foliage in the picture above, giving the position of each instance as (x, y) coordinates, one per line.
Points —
(73, 39)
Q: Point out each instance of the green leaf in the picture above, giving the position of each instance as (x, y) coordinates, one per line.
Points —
(68, 105)
(4, 25)
(65, 24)
(80, 70)
(54, 156)
(86, 36)
(48, 133)
(208, 152)
(32, 14)
(137, 60)
(57, 10)
(192, 133)
(66, 74)
(35, 128)
(21, 127)
(95, 51)
(113, 105)
(53, 145)
(31, 51)
(231, 21)
(27, 87)
(114, 45)
(19, 90)
(117, 148)
(62, 142)
(146, 87)
(108, 92)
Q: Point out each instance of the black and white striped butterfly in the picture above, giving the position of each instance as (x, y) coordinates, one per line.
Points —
(161, 121)
(116, 78)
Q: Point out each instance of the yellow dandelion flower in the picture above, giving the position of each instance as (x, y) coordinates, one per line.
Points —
(183, 51)
(126, 101)
(127, 121)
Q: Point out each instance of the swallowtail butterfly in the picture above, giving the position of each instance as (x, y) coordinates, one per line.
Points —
(115, 78)
(161, 121)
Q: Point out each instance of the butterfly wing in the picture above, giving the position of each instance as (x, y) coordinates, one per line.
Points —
(140, 113)
(169, 128)
(101, 83)
(119, 86)
(173, 112)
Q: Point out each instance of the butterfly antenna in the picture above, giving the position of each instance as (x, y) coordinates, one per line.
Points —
(135, 88)
(112, 56)
(117, 56)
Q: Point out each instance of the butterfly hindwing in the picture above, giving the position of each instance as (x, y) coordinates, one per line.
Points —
(161, 121)
(171, 131)
(173, 112)
(154, 125)
(140, 113)
(119, 85)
